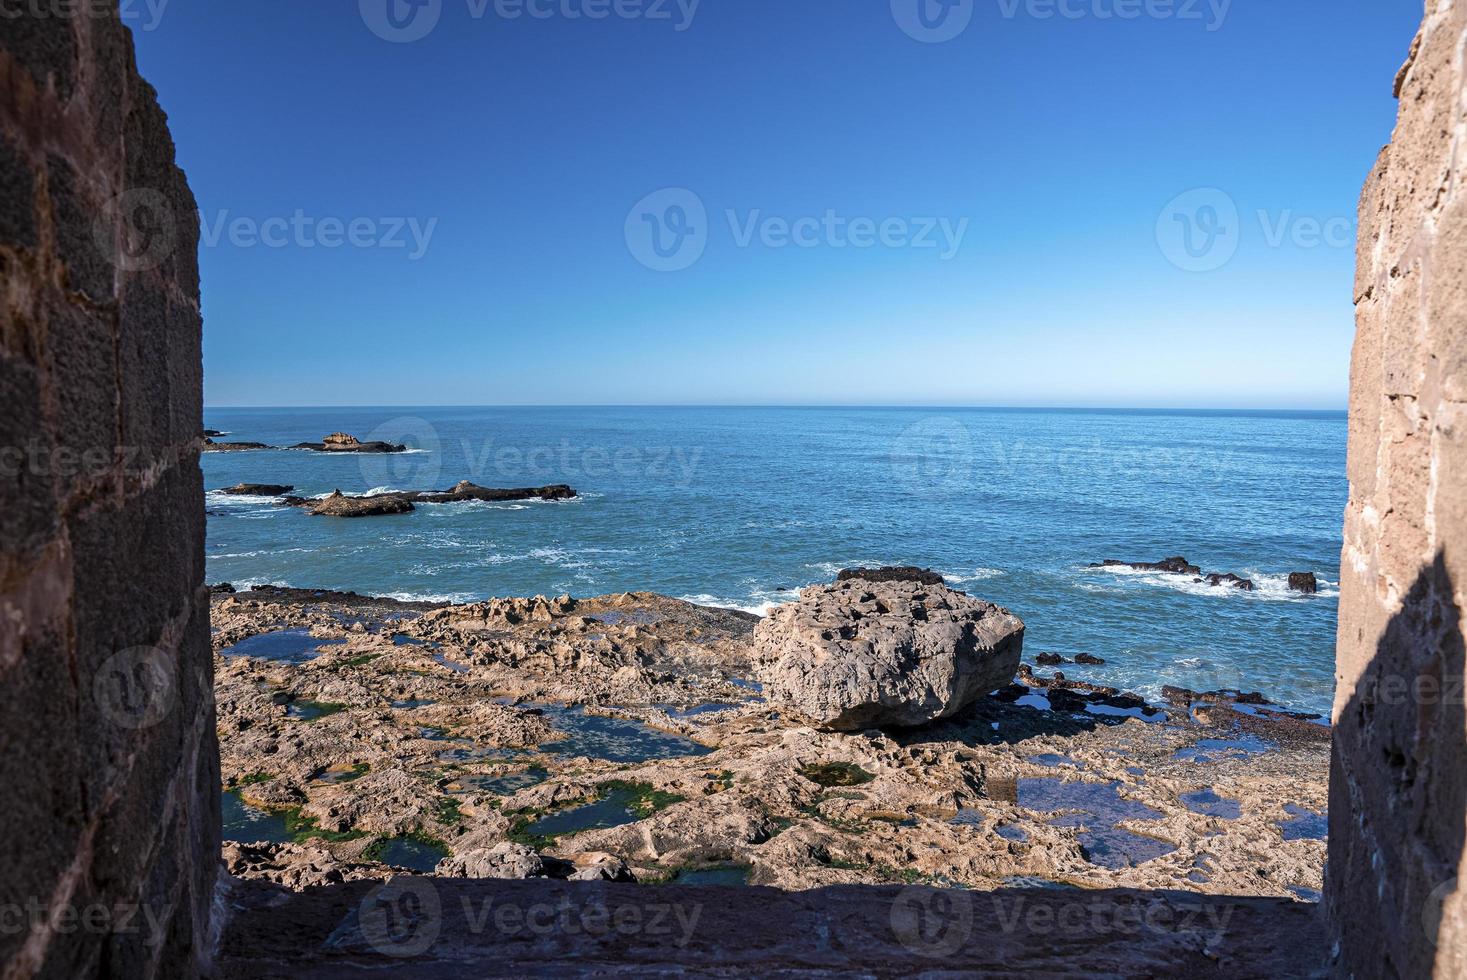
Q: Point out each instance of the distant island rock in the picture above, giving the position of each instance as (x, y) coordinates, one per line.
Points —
(258, 490)
(339, 504)
(210, 446)
(341, 442)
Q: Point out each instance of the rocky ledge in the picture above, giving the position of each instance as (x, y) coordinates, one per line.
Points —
(339, 504)
(623, 737)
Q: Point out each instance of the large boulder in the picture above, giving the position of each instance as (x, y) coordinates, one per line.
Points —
(340, 505)
(1303, 582)
(859, 654)
(505, 860)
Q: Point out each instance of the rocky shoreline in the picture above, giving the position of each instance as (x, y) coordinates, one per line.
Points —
(337, 442)
(625, 738)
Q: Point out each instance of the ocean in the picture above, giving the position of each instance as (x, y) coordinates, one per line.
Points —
(732, 506)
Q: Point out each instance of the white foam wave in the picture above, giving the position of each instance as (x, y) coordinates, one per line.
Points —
(976, 575)
(1267, 586)
(718, 602)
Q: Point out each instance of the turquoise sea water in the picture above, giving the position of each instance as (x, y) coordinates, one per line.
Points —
(727, 506)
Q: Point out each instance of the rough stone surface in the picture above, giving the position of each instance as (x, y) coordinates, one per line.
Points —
(504, 860)
(902, 573)
(470, 929)
(110, 763)
(861, 654)
(1398, 793)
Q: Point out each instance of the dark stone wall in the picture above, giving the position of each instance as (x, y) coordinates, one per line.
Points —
(109, 832)
(1398, 782)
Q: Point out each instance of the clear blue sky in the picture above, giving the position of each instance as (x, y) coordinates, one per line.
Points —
(525, 143)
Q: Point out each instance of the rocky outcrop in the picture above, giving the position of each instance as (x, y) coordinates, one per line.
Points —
(1398, 793)
(1181, 566)
(376, 505)
(860, 654)
(210, 446)
(257, 490)
(1176, 566)
(1303, 582)
(504, 860)
(341, 442)
(903, 573)
(340, 505)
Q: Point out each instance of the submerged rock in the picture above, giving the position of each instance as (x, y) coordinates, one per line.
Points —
(860, 654)
(1229, 579)
(1303, 582)
(892, 573)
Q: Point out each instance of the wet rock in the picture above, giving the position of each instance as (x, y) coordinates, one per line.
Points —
(860, 654)
(1303, 582)
(340, 505)
(892, 573)
(1089, 660)
(1229, 579)
(212, 433)
(258, 490)
(505, 860)
(1177, 565)
(1050, 660)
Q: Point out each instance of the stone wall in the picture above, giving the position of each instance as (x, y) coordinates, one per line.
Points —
(1398, 795)
(109, 832)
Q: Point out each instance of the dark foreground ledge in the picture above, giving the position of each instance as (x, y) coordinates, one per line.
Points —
(437, 928)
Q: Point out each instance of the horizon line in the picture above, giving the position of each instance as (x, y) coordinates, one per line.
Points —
(1343, 409)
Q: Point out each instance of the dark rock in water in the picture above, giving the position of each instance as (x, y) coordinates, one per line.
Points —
(223, 588)
(210, 446)
(1182, 696)
(1177, 565)
(340, 442)
(258, 490)
(1303, 582)
(464, 490)
(892, 573)
(339, 505)
(1050, 660)
(1089, 660)
(1228, 578)
(212, 433)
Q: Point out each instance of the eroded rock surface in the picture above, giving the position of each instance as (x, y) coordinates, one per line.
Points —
(622, 737)
(862, 654)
